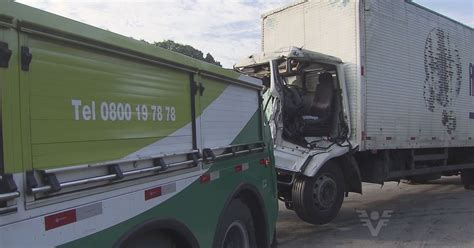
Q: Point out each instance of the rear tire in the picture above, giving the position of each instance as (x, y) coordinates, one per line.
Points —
(467, 178)
(236, 228)
(317, 200)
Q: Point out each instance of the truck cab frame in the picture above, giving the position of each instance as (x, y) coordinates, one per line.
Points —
(305, 101)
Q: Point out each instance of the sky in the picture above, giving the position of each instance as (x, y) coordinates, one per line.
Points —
(228, 29)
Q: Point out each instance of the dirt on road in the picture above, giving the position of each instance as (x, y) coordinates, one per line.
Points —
(437, 214)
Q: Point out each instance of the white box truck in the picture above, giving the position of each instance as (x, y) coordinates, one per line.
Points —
(365, 91)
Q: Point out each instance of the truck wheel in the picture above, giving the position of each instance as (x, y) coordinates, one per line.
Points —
(318, 199)
(467, 178)
(236, 227)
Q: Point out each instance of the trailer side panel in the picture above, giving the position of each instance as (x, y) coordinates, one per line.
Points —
(417, 78)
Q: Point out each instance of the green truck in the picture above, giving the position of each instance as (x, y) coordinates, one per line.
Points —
(111, 142)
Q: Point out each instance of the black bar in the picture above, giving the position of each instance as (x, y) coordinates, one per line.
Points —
(160, 162)
(400, 174)
(7, 184)
(193, 90)
(52, 180)
(201, 89)
(115, 169)
(194, 157)
(31, 181)
(5, 54)
(208, 155)
(26, 58)
(261, 116)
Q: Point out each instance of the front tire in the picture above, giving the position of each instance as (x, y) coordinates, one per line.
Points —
(317, 200)
(236, 229)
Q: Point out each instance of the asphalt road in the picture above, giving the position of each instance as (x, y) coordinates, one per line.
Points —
(438, 214)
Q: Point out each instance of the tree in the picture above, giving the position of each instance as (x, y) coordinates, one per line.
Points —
(187, 50)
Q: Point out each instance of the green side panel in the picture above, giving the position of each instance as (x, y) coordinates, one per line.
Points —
(64, 132)
(86, 106)
(199, 206)
(10, 107)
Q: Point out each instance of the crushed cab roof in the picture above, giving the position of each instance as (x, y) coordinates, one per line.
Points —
(287, 52)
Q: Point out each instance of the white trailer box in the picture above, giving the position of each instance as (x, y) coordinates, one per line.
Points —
(408, 70)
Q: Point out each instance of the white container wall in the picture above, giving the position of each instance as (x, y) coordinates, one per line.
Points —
(409, 70)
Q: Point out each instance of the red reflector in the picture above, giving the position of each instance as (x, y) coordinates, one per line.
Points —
(238, 168)
(205, 178)
(264, 161)
(59, 219)
(152, 193)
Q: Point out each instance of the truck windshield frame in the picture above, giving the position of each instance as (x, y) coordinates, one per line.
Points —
(300, 82)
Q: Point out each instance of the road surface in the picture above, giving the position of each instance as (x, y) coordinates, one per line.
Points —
(438, 214)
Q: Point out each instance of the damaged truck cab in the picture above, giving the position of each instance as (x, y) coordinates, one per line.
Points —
(306, 103)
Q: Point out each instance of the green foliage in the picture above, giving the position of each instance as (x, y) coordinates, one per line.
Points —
(187, 50)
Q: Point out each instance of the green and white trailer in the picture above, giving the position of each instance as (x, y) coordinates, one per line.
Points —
(111, 142)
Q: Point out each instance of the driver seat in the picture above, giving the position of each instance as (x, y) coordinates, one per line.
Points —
(317, 121)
